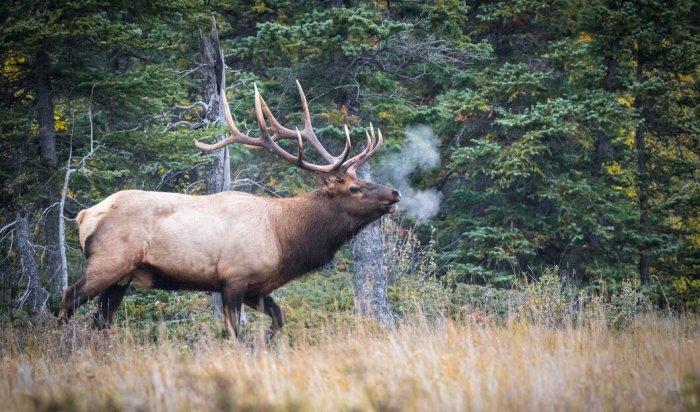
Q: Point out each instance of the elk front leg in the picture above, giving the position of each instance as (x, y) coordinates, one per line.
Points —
(233, 301)
(268, 306)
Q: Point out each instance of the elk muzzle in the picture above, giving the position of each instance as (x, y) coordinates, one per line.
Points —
(390, 206)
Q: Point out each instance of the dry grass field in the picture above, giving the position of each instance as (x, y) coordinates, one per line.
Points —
(443, 366)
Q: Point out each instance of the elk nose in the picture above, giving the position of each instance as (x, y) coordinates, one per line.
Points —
(397, 195)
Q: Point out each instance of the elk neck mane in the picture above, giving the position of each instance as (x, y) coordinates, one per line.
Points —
(310, 229)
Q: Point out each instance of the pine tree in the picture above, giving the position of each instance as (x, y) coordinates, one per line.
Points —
(58, 58)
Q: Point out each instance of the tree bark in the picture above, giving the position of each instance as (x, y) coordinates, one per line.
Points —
(47, 143)
(44, 107)
(369, 274)
(217, 173)
(35, 296)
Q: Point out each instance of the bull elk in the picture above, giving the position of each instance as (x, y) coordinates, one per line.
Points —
(241, 245)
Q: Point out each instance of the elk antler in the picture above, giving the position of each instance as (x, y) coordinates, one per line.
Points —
(351, 165)
(270, 135)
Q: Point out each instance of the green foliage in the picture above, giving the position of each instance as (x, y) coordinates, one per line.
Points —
(541, 110)
(549, 300)
(546, 159)
(552, 300)
(685, 293)
(411, 297)
(313, 300)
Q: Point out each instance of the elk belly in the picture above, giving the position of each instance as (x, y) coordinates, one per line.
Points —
(142, 278)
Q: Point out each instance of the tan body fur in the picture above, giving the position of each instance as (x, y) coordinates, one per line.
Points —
(185, 237)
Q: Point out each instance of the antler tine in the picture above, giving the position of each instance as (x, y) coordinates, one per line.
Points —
(264, 135)
(281, 131)
(373, 145)
(235, 137)
(300, 147)
(227, 112)
(354, 159)
(308, 128)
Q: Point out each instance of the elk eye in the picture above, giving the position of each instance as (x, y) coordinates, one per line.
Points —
(355, 189)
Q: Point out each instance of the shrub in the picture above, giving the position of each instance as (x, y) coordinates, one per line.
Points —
(625, 305)
(550, 300)
(414, 288)
(499, 303)
(553, 301)
(413, 296)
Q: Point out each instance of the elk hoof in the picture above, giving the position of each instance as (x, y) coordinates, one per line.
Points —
(62, 318)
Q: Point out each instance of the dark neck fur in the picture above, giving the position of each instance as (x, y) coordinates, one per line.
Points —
(310, 229)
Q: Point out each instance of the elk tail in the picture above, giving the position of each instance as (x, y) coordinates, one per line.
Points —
(80, 217)
(83, 229)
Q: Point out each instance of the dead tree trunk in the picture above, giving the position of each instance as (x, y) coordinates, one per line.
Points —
(217, 173)
(62, 280)
(369, 274)
(34, 296)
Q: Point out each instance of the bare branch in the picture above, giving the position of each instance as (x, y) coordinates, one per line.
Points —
(193, 105)
(185, 123)
(7, 226)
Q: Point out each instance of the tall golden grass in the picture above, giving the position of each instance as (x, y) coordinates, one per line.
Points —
(443, 365)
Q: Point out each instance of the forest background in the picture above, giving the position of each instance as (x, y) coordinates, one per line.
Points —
(527, 137)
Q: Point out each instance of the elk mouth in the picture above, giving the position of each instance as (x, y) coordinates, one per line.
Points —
(390, 207)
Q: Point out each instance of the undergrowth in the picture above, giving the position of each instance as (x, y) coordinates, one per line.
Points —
(424, 364)
(542, 345)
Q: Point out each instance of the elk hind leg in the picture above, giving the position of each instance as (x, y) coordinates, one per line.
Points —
(109, 302)
(268, 306)
(73, 298)
(91, 285)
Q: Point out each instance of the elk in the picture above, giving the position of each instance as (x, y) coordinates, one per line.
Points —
(241, 245)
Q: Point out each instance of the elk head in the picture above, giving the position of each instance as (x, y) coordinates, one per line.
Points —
(356, 197)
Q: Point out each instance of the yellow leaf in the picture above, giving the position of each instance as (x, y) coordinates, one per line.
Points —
(614, 168)
(584, 37)
(11, 68)
(627, 100)
(686, 78)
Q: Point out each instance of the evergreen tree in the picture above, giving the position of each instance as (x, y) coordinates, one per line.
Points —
(58, 59)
